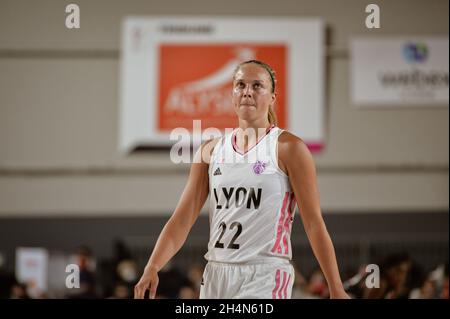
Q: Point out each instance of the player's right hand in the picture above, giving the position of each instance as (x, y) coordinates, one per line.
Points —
(148, 281)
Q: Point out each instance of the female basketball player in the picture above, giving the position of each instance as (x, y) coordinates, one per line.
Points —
(255, 178)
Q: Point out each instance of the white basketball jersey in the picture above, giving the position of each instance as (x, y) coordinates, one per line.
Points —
(251, 203)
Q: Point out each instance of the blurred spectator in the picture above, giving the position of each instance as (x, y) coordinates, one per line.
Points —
(121, 291)
(171, 280)
(356, 285)
(85, 262)
(121, 251)
(439, 276)
(300, 289)
(127, 272)
(121, 268)
(317, 286)
(7, 279)
(400, 277)
(435, 285)
(195, 276)
(19, 291)
(187, 292)
(444, 290)
(426, 291)
(394, 272)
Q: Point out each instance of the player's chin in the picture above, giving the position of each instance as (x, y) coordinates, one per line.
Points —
(247, 116)
(245, 111)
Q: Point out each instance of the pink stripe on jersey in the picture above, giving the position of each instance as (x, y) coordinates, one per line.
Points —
(282, 286)
(277, 246)
(277, 284)
(287, 224)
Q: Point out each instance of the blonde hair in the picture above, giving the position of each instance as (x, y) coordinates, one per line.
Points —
(271, 116)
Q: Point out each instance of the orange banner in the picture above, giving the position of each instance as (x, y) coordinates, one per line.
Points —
(196, 82)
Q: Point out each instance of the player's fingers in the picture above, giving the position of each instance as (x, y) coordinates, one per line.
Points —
(139, 291)
(136, 292)
(153, 287)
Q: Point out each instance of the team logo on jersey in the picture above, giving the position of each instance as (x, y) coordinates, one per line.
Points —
(259, 167)
(217, 172)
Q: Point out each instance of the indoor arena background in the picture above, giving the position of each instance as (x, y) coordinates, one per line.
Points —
(383, 174)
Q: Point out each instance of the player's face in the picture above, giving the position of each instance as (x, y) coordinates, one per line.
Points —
(252, 92)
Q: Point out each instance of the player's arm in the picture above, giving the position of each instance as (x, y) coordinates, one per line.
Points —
(298, 162)
(177, 228)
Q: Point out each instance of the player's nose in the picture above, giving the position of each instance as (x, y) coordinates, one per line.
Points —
(248, 91)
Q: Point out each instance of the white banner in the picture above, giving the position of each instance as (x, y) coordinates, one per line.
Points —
(32, 268)
(175, 70)
(399, 71)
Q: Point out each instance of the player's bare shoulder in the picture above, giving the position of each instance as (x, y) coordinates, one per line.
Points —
(291, 149)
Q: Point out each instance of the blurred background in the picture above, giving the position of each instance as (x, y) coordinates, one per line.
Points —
(68, 196)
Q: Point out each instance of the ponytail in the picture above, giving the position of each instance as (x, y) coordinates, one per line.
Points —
(271, 116)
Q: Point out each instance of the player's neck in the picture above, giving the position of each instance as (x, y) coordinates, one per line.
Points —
(249, 133)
